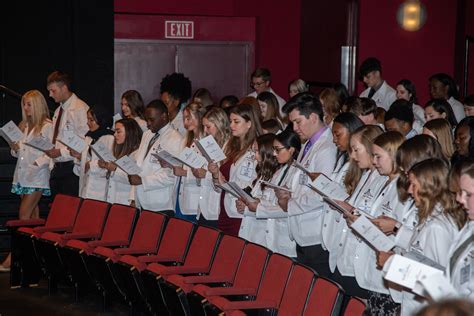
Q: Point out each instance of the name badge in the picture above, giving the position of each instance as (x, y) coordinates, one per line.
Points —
(303, 179)
(465, 273)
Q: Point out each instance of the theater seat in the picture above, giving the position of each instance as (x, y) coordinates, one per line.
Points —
(355, 307)
(325, 298)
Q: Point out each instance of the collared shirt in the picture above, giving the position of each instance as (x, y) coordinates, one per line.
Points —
(411, 134)
(313, 141)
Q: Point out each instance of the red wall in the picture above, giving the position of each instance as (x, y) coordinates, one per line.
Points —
(410, 55)
(278, 28)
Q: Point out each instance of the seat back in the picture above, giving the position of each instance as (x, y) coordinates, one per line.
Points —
(148, 231)
(250, 270)
(355, 307)
(176, 239)
(325, 298)
(63, 211)
(296, 291)
(227, 257)
(203, 247)
(91, 217)
(119, 223)
(275, 278)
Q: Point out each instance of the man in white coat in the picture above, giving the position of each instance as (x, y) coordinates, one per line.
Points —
(260, 81)
(155, 187)
(304, 206)
(370, 73)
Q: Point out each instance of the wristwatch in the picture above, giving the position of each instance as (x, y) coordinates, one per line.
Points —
(397, 227)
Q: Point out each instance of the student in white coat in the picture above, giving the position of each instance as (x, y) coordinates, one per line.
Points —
(370, 72)
(175, 91)
(286, 147)
(406, 90)
(155, 186)
(127, 137)
(461, 263)
(133, 107)
(443, 86)
(190, 188)
(439, 219)
(440, 108)
(384, 150)
(253, 228)
(343, 126)
(31, 177)
(239, 166)
(304, 207)
(369, 185)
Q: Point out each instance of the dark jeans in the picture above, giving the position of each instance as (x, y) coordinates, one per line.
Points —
(314, 257)
(63, 180)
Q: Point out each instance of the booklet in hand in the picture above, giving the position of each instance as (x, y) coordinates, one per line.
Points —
(40, 143)
(210, 149)
(236, 191)
(167, 157)
(274, 186)
(301, 167)
(102, 152)
(128, 165)
(372, 234)
(191, 158)
(71, 140)
(326, 187)
(11, 132)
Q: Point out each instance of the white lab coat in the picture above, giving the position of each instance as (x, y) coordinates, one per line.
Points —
(383, 97)
(142, 123)
(27, 174)
(118, 186)
(158, 189)
(277, 234)
(243, 173)
(251, 227)
(333, 222)
(178, 124)
(364, 196)
(74, 118)
(461, 271)
(432, 239)
(95, 183)
(305, 207)
(458, 108)
(419, 122)
(365, 260)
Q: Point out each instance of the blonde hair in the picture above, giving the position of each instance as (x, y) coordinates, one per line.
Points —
(432, 174)
(390, 141)
(39, 111)
(367, 134)
(441, 128)
(197, 111)
(219, 118)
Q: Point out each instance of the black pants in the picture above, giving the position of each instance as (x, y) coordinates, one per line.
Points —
(350, 285)
(314, 257)
(63, 180)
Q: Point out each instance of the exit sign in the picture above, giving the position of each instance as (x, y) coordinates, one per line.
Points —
(179, 29)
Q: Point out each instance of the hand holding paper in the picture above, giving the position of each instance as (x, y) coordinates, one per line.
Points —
(11, 132)
(128, 165)
(210, 149)
(40, 143)
(372, 235)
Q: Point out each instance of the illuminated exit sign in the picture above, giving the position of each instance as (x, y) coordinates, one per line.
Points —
(179, 29)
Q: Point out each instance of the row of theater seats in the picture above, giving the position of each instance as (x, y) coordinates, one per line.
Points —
(164, 265)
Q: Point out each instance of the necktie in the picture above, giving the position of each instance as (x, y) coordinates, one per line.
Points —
(56, 126)
(152, 141)
(371, 93)
(306, 149)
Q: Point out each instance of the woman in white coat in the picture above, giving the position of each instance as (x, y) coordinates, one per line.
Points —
(31, 177)
(133, 107)
(239, 166)
(253, 228)
(127, 138)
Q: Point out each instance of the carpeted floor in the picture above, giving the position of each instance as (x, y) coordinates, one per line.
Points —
(35, 301)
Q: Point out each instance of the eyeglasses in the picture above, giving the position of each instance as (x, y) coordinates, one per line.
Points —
(257, 84)
(278, 149)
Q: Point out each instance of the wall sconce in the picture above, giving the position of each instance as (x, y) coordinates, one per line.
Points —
(411, 15)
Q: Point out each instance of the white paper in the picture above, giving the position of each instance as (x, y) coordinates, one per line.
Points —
(116, 118)
(167, 157)
(128, 165)
(301, 167)
(334, 205)
(437, 286)
(40, 143)
(71, 140)
(244, 195)
(102, 151)
(406, 272)
(326, 187)
(274, 186)
(227, 188)
(192, 159)
(372, 234)
(11, 132)
(423, 259)
(210, 149)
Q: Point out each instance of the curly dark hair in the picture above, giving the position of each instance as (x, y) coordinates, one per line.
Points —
(177, 85)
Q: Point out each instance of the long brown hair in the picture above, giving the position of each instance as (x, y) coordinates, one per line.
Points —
(442, 131)
(219, 118)
(236, 147)
(267, 167)
(432, 174)
(133, 137)
(197, 111)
